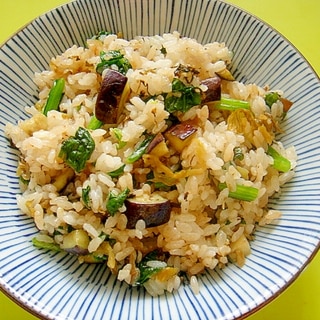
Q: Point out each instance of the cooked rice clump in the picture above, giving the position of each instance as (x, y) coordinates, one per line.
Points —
(207, 227)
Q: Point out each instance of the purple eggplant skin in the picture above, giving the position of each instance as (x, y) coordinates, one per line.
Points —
(155, 141)
(213, 92)
(112, 87)
(76, 250)
(154, 213)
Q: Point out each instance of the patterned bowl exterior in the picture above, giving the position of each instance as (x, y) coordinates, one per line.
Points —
(54, 285)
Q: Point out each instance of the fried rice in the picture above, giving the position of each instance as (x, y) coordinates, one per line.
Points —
(208, 224)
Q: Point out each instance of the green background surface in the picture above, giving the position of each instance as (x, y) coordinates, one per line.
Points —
(299, 22)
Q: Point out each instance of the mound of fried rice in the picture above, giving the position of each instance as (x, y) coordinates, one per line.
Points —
(207, 228)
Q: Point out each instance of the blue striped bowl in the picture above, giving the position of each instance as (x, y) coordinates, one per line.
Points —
(54, 285)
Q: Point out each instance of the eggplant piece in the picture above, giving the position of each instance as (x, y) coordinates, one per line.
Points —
(111, 97)
(154, 210)
(76, 242)
(213, 92)
(158, 146)
(180, 135)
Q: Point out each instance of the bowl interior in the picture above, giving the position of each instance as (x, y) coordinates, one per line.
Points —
(54, 285)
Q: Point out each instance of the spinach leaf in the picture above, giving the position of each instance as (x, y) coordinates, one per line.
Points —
(113, 58)
(76, 150)
(101, 34)
(116, 173)
(85, 196)
(182, 98)
(147, 270)
(116, 201)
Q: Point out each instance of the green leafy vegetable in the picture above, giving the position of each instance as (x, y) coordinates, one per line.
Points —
(111, 59)
(102, 33)
(23, 180)
(140, 150)
(182, 98)
(271, 98)
(116, 201)
(231, 104)
(237, 154)
(118, 172)
(146, 269)
(279, 162)
(94, 123)
(85, 196)
(76, 150)
(55, 96)
(163, 50)
(45, 245)
(107, 238)
(118, 135)
(245, 193)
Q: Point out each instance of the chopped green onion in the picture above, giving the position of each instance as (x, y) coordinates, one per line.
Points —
(279, 162)
(94, 123)
(245, 193)
(140, 150)
(55, 96)
(231, 104)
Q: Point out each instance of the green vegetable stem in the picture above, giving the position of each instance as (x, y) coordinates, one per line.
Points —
(279, 162)
(55, 96)
(94, 123)
(76, 150)
(45, 245)
(140, 150)
(231, 104)
(245, 193)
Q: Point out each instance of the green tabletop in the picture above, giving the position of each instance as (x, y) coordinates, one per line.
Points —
(299, 22)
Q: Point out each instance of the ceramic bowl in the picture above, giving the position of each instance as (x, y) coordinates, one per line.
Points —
(54, 285)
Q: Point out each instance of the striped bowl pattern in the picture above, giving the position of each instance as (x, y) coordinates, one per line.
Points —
(54, 285)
